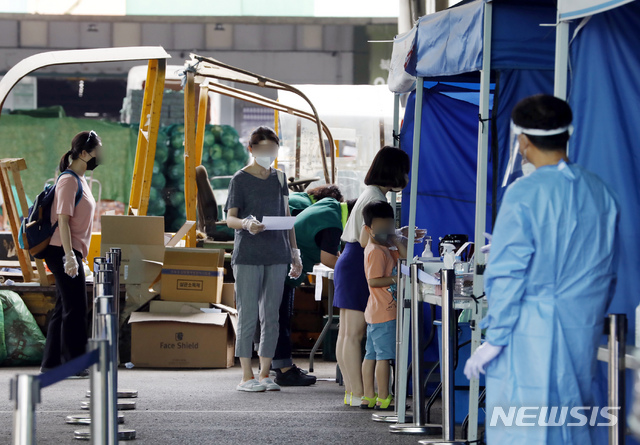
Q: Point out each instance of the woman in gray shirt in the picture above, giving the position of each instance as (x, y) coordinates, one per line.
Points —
(260, 258)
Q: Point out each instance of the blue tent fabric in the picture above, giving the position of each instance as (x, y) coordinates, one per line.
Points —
(604, 96)
(449, 43)
(515, 85)
(447, 46)
(446, 191)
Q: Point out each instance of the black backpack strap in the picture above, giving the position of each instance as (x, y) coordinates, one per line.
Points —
(79, 192)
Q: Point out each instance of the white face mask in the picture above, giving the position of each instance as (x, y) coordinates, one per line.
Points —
(528, 168)
(264, 161)
(266, 154)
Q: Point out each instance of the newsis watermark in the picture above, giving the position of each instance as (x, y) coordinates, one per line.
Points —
(528, 416)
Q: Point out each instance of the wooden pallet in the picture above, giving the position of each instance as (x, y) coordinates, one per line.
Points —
(10, 169)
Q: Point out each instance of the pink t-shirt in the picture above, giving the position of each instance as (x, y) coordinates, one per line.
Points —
(81, 216)
(379, 262)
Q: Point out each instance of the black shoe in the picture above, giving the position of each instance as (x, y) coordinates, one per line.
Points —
(294, 377)
(81, 375)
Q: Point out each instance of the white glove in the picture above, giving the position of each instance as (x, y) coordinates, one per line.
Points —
(296, 264)
(481, 358)
(70, 265)
(404, 233)
(487, 248)
(252, 225)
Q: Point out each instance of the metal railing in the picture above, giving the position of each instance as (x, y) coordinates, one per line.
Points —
(102, 361)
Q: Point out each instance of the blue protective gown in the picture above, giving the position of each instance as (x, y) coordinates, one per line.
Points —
(550, 278)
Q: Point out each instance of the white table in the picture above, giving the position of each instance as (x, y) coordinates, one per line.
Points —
(321, 271)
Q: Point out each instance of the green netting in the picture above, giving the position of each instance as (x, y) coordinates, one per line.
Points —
(42, 141)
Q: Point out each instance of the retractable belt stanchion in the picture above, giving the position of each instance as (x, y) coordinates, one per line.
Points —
(446, 364)
(94, 313)
(617, 351)
(419, 425)
(25, 392)
(114, 257)
(105, 327)
(99, 385)
(402, 355)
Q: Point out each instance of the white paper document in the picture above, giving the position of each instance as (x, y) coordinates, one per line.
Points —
(278, 222)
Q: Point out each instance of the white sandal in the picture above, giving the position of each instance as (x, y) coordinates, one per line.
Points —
(269, 384)
(251, 386)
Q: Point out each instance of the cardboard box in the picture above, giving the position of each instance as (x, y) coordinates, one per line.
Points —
(176, 307)
(229, 295)
(140, 238)
(192, 275)
(137, 296)
(183, 341)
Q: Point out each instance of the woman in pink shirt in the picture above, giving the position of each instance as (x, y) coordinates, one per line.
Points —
(73, 209)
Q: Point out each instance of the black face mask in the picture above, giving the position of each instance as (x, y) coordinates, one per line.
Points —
(92, 163)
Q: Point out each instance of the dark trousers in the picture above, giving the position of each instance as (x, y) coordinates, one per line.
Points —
(67, 331)
(282, 357)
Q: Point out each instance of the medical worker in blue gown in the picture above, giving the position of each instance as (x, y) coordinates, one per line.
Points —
(549, 281)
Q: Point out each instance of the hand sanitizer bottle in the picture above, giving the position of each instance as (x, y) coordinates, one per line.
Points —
(449, 255)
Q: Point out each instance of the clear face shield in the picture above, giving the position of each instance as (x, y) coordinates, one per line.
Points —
(518, 165)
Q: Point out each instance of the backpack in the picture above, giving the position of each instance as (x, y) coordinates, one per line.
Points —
(36, 229)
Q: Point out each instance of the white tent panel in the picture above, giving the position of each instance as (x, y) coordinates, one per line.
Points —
(399, 80)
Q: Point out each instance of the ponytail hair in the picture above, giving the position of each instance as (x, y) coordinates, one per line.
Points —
(83, 141)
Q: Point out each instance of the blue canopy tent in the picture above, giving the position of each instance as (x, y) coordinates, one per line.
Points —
(447, 53)
(503, 42)
(604, 93)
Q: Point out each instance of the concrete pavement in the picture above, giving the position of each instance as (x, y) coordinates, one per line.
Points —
(203, 407)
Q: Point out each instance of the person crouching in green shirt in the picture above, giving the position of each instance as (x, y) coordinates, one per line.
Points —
(298, 201)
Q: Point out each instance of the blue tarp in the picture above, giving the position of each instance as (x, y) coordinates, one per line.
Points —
(604, 96)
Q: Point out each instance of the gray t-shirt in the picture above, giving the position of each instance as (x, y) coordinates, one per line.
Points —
(259, 197)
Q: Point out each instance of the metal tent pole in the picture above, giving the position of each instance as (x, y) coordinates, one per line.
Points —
(396, 127)
(481, 207)
(616, 371)
(562, 60)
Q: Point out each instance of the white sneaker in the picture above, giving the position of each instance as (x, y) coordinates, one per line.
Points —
(251, 386)
(269, 384)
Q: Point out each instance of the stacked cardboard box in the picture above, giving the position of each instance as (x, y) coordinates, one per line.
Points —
(179, 335)
(175, 332)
